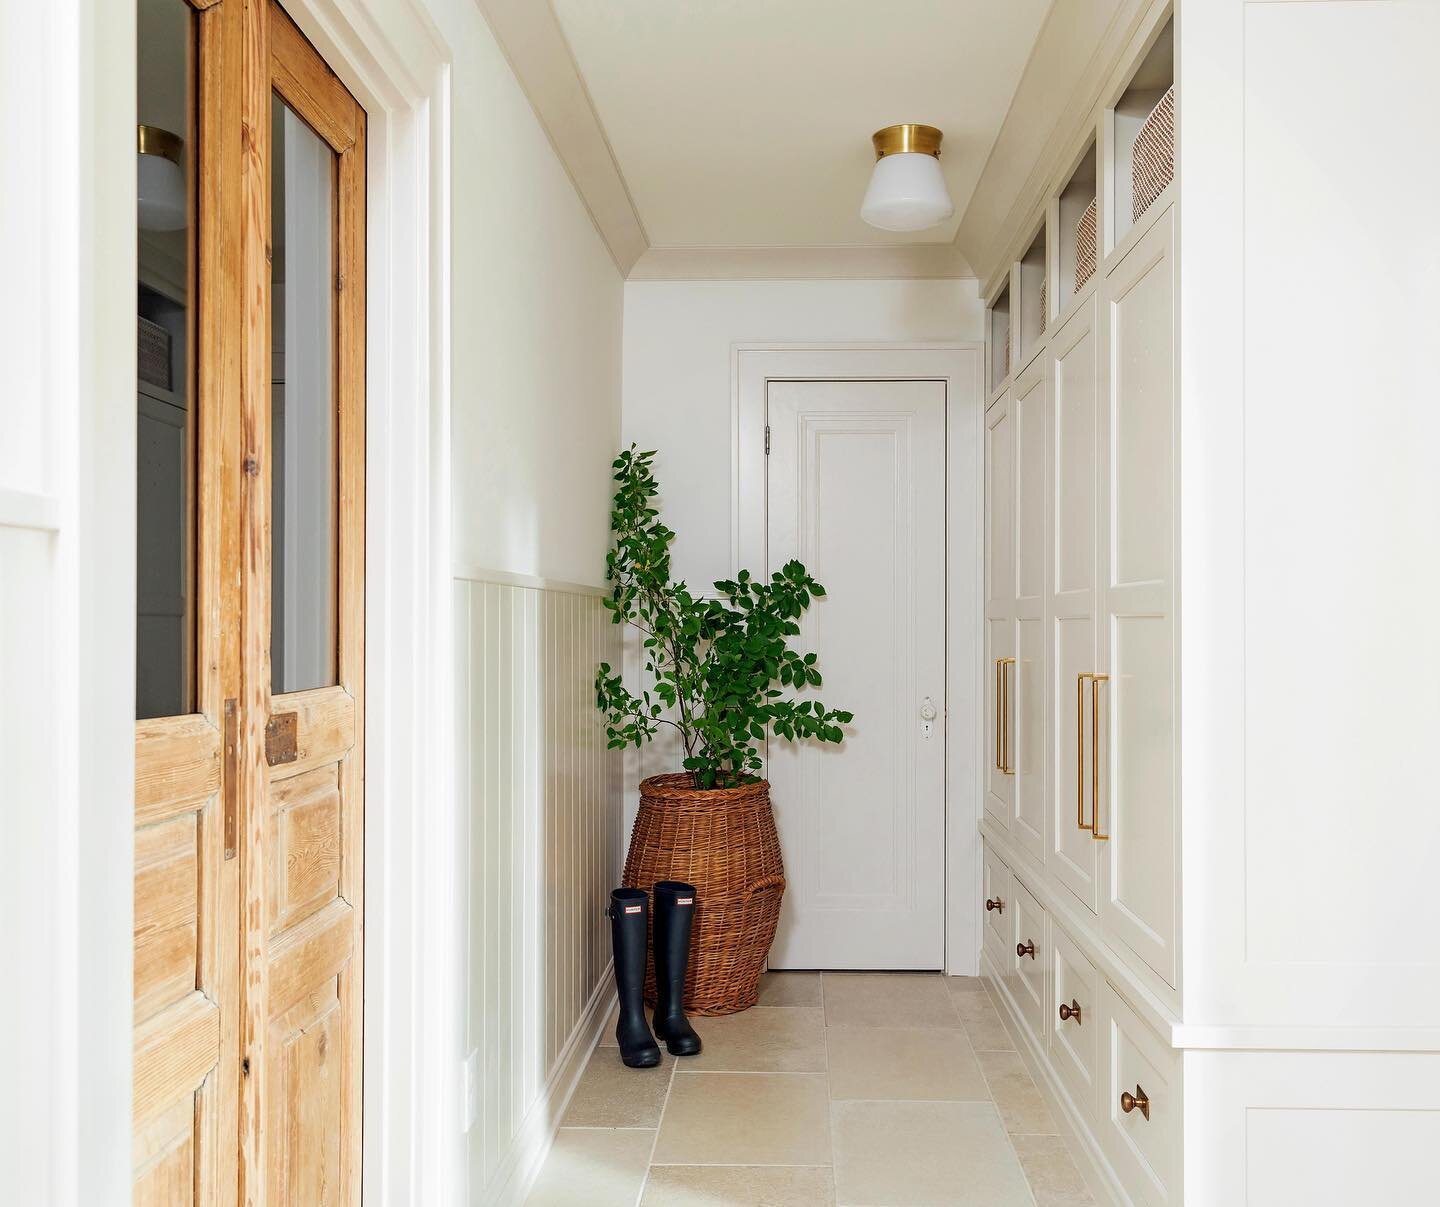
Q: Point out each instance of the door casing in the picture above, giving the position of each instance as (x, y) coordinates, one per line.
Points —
(961, 365)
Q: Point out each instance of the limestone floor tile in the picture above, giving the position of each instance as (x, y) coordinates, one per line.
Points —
(900, 1153)
(982, 1023)
(745, 1119)
(730, 1185)
(610, 1095)
(962, 986)
(1019, 1102)
(1054, 1179)
(593, 1167)
(874, 1062)
(763, 1039)
(790, 989)
(607, 1032)
(880, 999)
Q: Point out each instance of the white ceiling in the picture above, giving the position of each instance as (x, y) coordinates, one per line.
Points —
(746, 123)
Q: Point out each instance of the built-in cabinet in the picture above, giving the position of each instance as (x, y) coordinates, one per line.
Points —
(1081, 863)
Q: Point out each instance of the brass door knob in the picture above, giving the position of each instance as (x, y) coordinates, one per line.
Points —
(994, 903)
(1025, 949)
(1129, 1101)
(1070, 1011)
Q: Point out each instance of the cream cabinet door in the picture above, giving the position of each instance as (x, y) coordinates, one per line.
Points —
(1137, 804)
(1074, 854)
(1028, 677)
(999, 607)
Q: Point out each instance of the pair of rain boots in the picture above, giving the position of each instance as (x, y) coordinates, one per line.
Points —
(629, 924)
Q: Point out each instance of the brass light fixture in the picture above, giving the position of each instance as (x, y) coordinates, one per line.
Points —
(161, 179)
(907, 189)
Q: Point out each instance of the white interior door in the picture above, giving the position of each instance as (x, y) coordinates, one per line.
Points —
(856, 489)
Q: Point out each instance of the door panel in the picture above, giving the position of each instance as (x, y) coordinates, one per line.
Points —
(999, 608)
(1074, 855)
(857, 492)
(1138, 801)
(1027, 819)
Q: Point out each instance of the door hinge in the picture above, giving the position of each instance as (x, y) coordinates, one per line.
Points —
(767, 439)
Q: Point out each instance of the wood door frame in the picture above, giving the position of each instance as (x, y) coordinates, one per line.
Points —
(961, 365)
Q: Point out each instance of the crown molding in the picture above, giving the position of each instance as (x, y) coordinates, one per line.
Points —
(883, 261)
(531, 38)
(1053, 107)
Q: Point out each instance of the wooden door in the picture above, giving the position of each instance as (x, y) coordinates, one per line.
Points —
(303, 644)
(999, 608)
(186, 906)
(1074, 852)
(1138, 803)
(856, 491)
(1027, 678)
(249, 790)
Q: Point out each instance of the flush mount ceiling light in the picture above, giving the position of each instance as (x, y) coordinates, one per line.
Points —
(161, 179)
(907, 191)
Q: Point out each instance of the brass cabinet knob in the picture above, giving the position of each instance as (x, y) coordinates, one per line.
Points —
(994, 903)
(1025, 949)
(1129, 1101)
(1070, 1011)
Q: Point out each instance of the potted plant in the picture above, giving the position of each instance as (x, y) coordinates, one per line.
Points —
(715, 670)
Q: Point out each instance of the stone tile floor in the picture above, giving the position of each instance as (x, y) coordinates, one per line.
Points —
(838, 1088)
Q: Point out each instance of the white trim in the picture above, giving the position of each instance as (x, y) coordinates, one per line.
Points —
(536, 1133)
(511, 578)
(395, 62)
(860, 262)
(27, 509)
(961, 366)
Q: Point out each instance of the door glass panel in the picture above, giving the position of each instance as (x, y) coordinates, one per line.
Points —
(164, 389)
(302, 406)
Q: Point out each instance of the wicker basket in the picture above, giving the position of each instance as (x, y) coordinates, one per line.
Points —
(1085, 247)
(1153, 164)
(724, 842)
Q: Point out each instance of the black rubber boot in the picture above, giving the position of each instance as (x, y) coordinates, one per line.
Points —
(674, 915)
(628, 912)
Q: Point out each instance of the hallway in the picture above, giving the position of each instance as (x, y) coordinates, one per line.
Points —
(838, 1088)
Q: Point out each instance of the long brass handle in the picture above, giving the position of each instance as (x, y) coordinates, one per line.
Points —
(1007, 766)
(1080, 750)
(1095, 682)
(999, 728)
(1129, 1101)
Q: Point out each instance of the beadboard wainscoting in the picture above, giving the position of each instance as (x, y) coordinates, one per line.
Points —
(542, 799)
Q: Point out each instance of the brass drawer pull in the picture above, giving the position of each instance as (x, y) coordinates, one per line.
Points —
(1025, 949)
(1129, 1101)
(995, 904)
(1070, 1011)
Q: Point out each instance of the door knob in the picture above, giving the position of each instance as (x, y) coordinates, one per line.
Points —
(1070, 1011)
(1129, 1101)
(927, 709)
(1025, 949)
(994, 903)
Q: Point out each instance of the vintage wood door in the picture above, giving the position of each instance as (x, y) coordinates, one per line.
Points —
(856, 482)
(187, 918)
(250, 688)
(303, 641)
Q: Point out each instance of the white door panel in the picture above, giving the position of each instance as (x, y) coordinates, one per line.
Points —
(857, 492)
(1027, 817)
(999, 608)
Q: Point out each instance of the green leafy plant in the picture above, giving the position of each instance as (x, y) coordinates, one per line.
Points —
(713, 664)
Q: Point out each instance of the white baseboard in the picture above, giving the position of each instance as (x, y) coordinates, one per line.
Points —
(521, 1166)
(1094, 1168)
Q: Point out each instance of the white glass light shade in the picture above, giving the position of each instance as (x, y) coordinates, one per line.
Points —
(907, 193)
(162, 193)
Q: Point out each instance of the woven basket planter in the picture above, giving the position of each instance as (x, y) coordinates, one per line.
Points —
(724, 842)
(1152, 166)
(1085, 247)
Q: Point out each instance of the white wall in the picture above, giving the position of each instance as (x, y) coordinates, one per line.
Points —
(536, 305)
(678, 345)
(536, 310)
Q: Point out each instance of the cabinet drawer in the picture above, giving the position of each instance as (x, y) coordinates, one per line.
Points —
(1142, 1143)
(998, 910)
(1029, 959)
(1074, 1039)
